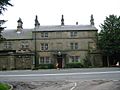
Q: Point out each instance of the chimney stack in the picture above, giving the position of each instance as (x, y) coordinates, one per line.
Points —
(62, 20)
(37, 24)
(20, 25)
(92, 20)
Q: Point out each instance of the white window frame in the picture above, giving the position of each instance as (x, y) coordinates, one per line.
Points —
(44, 46)
(24, 45)
(44, 34)
(74, 59)
(74, 46)
(8, 45)
(73, 33)
(44, 60)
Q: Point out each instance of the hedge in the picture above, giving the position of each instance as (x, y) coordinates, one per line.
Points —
(74, 65)
(46, 66)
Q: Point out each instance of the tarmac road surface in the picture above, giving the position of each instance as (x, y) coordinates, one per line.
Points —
(65, 79)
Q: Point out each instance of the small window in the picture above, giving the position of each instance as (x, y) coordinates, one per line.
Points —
(44, 34)
(74, 46)
(41, 60)
(75, 58)
(47, 60)
(44, 46)
(8, 45)
(73, 34)
(44, 60)
(24, 45)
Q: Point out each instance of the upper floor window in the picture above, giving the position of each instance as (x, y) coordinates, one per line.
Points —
(8, 45)
(44, 34)
(73, 34)
(74, 45)
(24, 45)
(44, 60)
(44, 46)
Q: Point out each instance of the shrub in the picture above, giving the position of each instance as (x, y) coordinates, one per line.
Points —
(86, 62)
(74, 65)
(46, 66)
(4, 69)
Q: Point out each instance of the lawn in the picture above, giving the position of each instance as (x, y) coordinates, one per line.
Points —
(4, 86)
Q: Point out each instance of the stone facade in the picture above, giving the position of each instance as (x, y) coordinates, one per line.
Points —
(58, 44)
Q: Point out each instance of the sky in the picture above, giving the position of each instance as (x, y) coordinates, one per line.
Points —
(49, 12)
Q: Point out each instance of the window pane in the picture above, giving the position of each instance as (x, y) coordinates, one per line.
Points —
(73, 34)
(46, 46)
(47, 60)
(41, 60)
(7, 45)
(76, 45)
(71, 45)
(72, 58)
(42, 46)
(42, 34)
(46, 34)
(76, 58)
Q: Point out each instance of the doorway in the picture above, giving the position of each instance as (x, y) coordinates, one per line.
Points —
(59, 61)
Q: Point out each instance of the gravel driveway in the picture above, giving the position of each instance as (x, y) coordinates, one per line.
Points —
(67, 85)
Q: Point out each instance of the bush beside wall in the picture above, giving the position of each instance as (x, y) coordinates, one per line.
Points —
(74, 65)
(46, 66)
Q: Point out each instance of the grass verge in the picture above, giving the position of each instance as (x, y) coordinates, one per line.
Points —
(4, 86)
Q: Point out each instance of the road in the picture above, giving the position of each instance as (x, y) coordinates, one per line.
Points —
(64, 79)
(63, 74)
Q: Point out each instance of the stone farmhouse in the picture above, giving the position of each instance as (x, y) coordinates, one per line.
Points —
(56, 44)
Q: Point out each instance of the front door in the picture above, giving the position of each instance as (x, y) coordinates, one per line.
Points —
(59, 61)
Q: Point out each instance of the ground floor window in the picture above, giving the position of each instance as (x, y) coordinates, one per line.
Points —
(44, 60)
(74, 59)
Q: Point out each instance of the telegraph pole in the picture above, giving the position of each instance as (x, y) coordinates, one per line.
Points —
(35, 50)
(37, 24)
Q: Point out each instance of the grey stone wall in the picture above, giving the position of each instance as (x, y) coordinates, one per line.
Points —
(15, 62)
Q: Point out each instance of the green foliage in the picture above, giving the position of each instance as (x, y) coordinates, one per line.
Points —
(3, 7)
(86, 62)
(46, 66)
(109, 37)
(74, 65)
(4, 86)
(4, 4)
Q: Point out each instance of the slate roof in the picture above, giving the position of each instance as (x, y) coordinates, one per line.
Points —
(12, 34)
(27, 33)
(66, 28)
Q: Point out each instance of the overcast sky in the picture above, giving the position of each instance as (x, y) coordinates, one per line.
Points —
(49, 12)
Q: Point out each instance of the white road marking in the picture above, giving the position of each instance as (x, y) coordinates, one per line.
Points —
(59, 74)
(75, 84)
